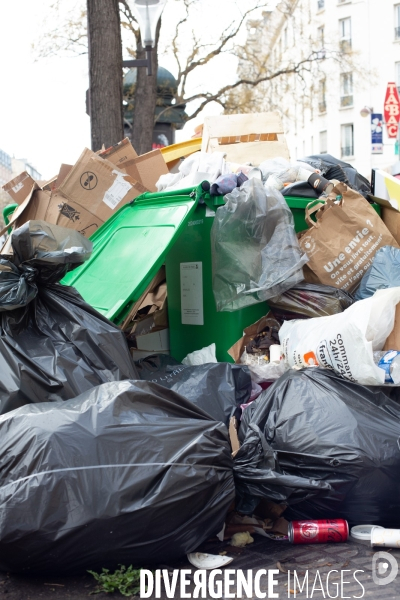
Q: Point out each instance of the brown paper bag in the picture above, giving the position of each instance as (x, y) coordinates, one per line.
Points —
(249, 333)
(343, 241)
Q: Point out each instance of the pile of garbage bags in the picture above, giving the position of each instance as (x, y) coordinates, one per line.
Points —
(325, 446)
(53, 345)
(106, 461)
(126, 471)
(217, 388)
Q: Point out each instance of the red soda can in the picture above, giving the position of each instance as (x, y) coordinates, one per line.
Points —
(318, 532)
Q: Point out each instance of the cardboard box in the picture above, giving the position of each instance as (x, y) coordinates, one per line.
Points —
(33, 208)
(155, 341)
(63, 172)
(20, 187)
(146, 168)
(249, 137)
(90, 193)
(120, 153)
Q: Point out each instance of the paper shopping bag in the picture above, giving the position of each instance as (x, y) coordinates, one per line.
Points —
(342, 242)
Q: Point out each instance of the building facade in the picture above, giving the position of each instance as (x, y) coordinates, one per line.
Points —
(357, 44)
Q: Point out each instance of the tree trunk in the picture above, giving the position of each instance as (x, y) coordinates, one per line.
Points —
(145, 101)
(105, 73)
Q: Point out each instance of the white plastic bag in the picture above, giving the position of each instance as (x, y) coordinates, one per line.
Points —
(201, 357)
(344, 342)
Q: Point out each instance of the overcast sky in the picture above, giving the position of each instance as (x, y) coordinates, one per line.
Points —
(42, 102)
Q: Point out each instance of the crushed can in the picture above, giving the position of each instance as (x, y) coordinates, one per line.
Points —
(318, 532)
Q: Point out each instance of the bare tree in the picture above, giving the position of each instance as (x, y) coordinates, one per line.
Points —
(105, 72)
(258, 69)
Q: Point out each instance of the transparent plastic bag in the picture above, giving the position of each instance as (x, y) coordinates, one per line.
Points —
(255, 252)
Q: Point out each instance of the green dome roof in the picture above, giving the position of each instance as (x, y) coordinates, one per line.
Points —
(166, 83)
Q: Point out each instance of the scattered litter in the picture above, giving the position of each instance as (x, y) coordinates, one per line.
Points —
(208, 561)
(241, 539)
(363, 532)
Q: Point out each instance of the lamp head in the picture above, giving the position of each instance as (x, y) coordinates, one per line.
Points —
(148, 13)
(367, 110)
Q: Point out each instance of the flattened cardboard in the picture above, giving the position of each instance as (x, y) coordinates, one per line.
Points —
(155, 341)
(233, 436)
(90, 193)
(36, 209)
(33, 208)
(67, 213)
(63, 172)
(120, 153)
(247, 137)
(147, 168)
(20, 187)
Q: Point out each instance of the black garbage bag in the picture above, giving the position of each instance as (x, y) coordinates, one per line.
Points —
(326, 446)
(127, 473)
(383, 273)
(217, 388)
(333, 168)
(53, 346)
(149, 368)
(300, 189)
(308, 300)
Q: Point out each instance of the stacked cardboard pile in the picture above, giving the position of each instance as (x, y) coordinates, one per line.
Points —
(83, 196)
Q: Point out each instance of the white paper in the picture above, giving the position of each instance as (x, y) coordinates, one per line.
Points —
(18, 187)
(117, 191)
(192, 293)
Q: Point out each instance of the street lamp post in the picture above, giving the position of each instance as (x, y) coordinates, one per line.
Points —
(147, 13)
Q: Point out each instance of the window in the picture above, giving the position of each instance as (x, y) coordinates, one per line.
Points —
(321, 4)
(323, 142)
(321, 37)
(322, 96)
(346, 89)
(397, 22)
(345, 34)
(285, 38)
(397, 67)
(347, 140)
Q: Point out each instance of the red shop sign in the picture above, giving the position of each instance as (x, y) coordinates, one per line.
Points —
(392, 110)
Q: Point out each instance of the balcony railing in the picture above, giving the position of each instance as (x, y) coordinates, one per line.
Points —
(345, 45)
(397, 33)
(346, 101)
(322, 106)
(321, 4)
(347, 151)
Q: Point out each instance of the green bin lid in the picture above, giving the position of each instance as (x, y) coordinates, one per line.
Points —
(129, 249)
